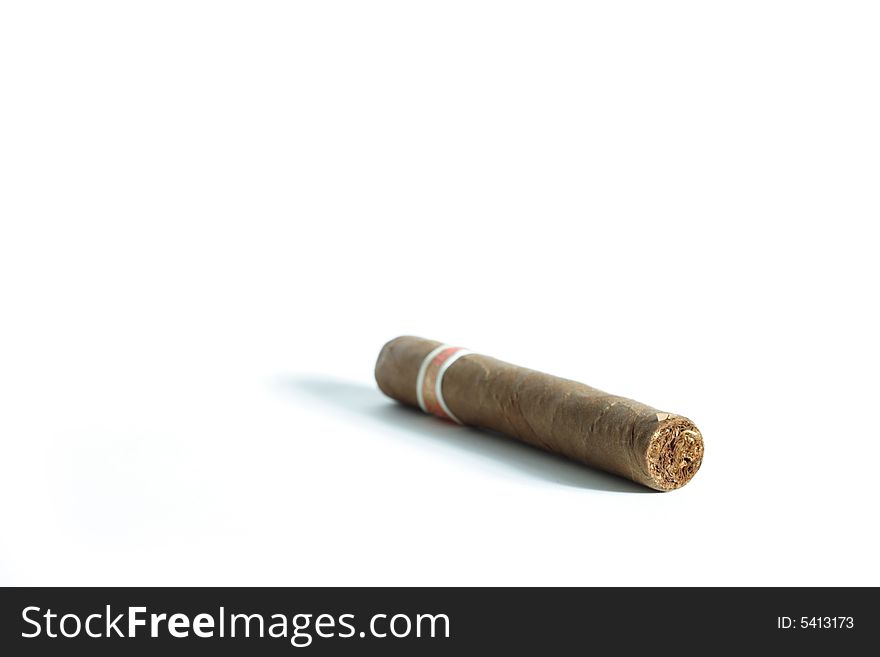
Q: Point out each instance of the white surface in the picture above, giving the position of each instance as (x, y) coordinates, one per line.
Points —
(215, 214)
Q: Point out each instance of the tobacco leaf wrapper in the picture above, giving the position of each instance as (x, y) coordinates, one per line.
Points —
(651, 447)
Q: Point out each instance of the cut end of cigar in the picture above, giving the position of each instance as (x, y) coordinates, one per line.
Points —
(675, 452)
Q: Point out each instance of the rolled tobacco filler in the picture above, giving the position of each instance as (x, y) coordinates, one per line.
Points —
(657, 449)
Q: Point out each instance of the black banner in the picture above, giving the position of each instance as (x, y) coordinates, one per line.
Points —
(114, 621)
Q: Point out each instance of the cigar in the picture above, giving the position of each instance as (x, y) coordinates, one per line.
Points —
(657, 449)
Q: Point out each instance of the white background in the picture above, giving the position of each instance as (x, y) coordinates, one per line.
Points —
(214, 214)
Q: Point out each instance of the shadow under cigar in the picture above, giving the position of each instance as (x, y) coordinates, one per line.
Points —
(368, 401)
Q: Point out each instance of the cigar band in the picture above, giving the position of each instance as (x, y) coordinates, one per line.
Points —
(429, 384)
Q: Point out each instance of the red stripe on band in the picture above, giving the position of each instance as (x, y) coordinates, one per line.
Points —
(429, 385)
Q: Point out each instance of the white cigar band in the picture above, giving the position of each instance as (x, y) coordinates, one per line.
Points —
(429, 384)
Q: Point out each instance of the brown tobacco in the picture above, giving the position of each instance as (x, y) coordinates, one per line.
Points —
(619, 435)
